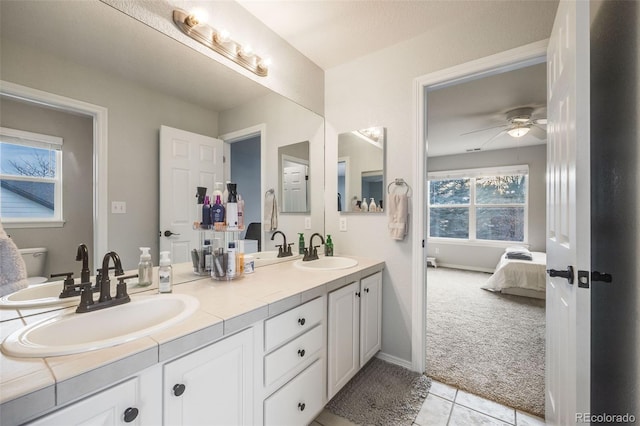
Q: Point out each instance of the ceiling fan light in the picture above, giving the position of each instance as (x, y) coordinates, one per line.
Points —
(519, 131)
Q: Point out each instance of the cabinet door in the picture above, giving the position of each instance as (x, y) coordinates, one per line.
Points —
(212, 386)
(344, 329)
(115, 406)
(370, 316)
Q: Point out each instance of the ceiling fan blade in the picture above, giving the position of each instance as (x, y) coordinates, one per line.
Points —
(482, 130)
(542, 121)
(538, 132)
(493, 137)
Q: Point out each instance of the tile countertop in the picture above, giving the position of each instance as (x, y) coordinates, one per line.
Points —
(31, 386)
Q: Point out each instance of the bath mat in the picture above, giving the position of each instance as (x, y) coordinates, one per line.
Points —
(381, 394)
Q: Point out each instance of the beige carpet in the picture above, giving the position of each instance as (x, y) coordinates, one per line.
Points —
(485, 343)
(381, 394)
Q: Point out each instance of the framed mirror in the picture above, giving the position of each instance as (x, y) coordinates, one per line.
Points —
(361, 172)
(293, 173)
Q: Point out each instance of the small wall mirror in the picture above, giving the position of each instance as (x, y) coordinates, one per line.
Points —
(361, 174)
(294, 178)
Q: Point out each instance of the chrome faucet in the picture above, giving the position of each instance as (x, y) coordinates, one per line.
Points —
(104, 284)
(311, 252)
(83, 255)
(284, 249)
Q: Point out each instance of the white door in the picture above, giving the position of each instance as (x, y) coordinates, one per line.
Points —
(370, 317)
(187, 160)
(568, 215)
(294, 186)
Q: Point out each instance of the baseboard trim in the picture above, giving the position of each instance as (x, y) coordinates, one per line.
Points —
(395, 360)
(467, 268)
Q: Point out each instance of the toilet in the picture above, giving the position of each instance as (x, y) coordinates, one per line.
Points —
(35, 260)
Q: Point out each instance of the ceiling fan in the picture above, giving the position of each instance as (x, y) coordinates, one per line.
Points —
(519, 123)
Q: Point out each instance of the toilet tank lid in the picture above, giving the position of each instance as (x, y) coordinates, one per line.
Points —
(32, 250)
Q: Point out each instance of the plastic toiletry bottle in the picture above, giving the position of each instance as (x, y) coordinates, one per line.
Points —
(328, 246)
(225, 194)
(217, 190)
(363, 205)
(301, 243)
(217, 211)
(232, 208)
(206, 212)
(372, 205)
(145, 268)
(240, 212)
(231, 259)
(165, 277)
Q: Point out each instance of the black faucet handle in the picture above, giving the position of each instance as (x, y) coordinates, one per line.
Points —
(121, 287)
(86, 298)
(289, 252)
(68, 275)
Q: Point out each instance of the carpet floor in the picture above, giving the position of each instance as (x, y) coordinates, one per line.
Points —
(381, 394)
(485, 343)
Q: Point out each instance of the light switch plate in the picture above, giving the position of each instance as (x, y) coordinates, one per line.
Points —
(307, 222)
(343, 224)
(118, 207)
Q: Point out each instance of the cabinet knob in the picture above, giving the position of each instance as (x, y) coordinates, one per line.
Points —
(357, 294)
(301, 406)
(179, 389)
(301, 321)
(130, 414)
(366, 290)
(301, 352)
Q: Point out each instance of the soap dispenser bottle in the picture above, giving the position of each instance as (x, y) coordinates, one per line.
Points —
(301, 243)
(145, 268)
(328, 246)
(165, 277)
(372, 205)
(364, 206)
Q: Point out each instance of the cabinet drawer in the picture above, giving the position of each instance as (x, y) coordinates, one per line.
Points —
(287, 358)
(289, 324)
(299, 401)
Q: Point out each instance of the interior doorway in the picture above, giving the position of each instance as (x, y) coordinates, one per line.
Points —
(501, 63)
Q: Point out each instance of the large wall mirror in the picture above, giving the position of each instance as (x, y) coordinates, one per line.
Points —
(294, 184)
(94, 53)
(361, 174)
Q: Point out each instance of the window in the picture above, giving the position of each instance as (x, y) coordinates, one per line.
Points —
(479, 204)
(30, 178)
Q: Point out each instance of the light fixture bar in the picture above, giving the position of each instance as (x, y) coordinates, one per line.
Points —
(220, 42)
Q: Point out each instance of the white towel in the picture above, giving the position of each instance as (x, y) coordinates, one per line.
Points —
(398, 207)
(13, 272)
(270, 222)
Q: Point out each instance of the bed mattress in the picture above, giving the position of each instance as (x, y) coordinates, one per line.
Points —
(520, 277)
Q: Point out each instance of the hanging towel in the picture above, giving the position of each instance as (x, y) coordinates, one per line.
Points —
(270, 211)
(398, 206)
(13, 272)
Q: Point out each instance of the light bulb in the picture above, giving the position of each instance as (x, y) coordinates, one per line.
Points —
(265, 63)
(196, 17)
(245, 51)
(518, 131)
(222, 36)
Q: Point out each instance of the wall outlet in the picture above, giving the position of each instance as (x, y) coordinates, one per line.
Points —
(343, 224)
(118, 207)
(307, 222)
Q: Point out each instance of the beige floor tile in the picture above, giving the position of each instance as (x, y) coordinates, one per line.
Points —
(463, 416)
(443, 391)
(435, 411)
(327, 418)
(486, 406)
(524, 419)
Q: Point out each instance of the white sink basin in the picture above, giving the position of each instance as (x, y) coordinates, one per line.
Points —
(263, 258)
(36, 296)
(328, 263)
(71, 333)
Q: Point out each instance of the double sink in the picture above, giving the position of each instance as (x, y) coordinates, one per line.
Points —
(71, 333)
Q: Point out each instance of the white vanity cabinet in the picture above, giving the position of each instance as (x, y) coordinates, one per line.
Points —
(294, 365)
(355, 329)
(213, 385)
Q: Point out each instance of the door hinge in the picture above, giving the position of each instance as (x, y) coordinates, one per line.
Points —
(583, 279)
(422, 243)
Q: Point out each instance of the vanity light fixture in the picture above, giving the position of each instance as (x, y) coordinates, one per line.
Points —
(373, 135)
(194, 26)
(519, 131)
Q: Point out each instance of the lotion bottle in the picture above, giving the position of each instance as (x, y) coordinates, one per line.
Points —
(165, 277)
(217, 211)
(145, 268)
(372, 205)
(363, 205)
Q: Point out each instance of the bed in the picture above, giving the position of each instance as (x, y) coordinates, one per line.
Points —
(520, 277)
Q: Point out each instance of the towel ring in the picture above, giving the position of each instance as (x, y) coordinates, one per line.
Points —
(399, 182)
(270, 191)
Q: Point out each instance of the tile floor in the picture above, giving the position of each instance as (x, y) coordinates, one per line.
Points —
(446, 405)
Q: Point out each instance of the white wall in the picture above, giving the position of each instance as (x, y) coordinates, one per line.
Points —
(378, 90)
(481, 256)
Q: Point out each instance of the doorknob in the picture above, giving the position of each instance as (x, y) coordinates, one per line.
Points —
(568, 273)
(168, 233)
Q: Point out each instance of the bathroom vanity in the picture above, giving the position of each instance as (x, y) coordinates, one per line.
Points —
(260, 350)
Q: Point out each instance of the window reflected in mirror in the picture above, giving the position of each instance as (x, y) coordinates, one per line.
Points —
(361, 174)
(294, 178)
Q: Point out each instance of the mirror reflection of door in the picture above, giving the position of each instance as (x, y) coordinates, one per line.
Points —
(343, 188)
(245, 171)
(295, 172)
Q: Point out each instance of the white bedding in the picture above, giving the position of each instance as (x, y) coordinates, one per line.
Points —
(523, 277)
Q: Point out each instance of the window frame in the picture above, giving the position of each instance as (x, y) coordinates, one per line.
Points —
(37, 140)
(472, 175)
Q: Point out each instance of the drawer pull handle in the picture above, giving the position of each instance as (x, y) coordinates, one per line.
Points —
(301, 352)
(301, 406)
(130, 414)
(301, 321)
(179, 389)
